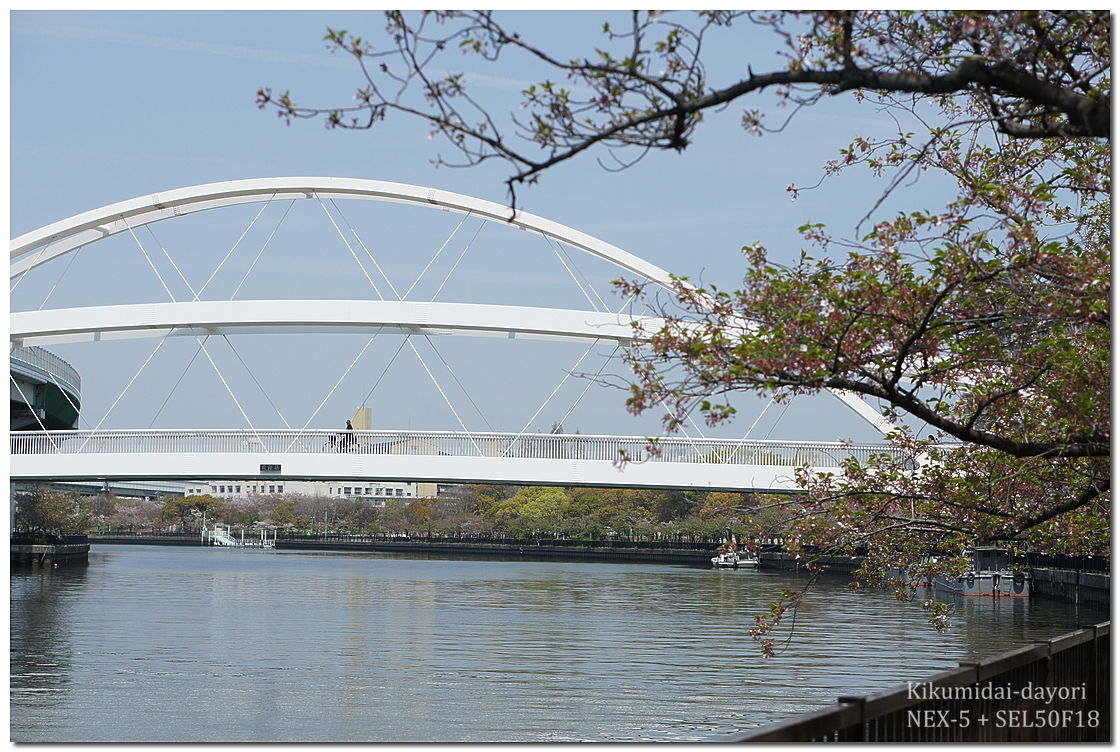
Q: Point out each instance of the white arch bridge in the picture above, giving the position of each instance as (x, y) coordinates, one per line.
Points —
(307, 453)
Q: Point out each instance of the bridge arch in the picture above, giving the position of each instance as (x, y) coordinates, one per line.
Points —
(205, 318)
(39, 246)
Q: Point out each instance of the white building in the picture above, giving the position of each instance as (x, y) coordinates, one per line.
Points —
(374, 491)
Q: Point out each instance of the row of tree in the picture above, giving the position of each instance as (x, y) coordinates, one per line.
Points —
(576, 513)
(481, 510)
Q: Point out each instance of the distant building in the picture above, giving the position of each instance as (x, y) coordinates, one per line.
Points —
(374, 491)
(362, 419)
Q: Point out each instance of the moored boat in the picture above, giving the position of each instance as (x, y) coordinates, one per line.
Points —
(734, 560)
(990, 576)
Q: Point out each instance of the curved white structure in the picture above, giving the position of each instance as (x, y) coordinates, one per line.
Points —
(216, 317)
(203, 318)
(40, 246)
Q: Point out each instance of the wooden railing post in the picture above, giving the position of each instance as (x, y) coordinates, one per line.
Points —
(858, 732)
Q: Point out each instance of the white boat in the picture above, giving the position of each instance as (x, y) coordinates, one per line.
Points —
(747, 560)
(990, 576)
(734, 560)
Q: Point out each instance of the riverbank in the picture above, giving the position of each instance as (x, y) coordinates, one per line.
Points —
(523, 550)
(146, 540)
(1061, 584)
(665, 553)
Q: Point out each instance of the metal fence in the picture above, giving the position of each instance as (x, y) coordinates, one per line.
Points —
(433, 443)
(1052, 691)
(1084, 563)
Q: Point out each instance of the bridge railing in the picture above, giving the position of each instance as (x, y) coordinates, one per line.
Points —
(49, 364)
(435, 443)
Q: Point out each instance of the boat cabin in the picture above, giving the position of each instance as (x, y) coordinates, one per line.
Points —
(991, 559)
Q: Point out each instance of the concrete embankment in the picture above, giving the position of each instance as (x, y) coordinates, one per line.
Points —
(1079, 587)
(148, 540)
(49, 554)
(785, 562)
(525, 550)
(540, 551)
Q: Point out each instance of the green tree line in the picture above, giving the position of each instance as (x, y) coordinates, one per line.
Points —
(475, 510)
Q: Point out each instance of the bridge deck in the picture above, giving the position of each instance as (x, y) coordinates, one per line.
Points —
(551, 459)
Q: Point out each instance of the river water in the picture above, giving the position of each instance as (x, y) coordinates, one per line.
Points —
(159, 644)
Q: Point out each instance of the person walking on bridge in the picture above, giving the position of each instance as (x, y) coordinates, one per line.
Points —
(348, 437)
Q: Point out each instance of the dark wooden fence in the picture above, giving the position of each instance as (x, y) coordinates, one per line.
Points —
(1052, 691)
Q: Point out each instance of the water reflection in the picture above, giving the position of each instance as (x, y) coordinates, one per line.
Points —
(318, 647)
(41, 646)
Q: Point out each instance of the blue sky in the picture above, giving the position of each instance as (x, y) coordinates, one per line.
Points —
(107, 106)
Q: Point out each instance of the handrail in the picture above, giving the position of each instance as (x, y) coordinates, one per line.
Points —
(1005, 697)
(445, 443)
